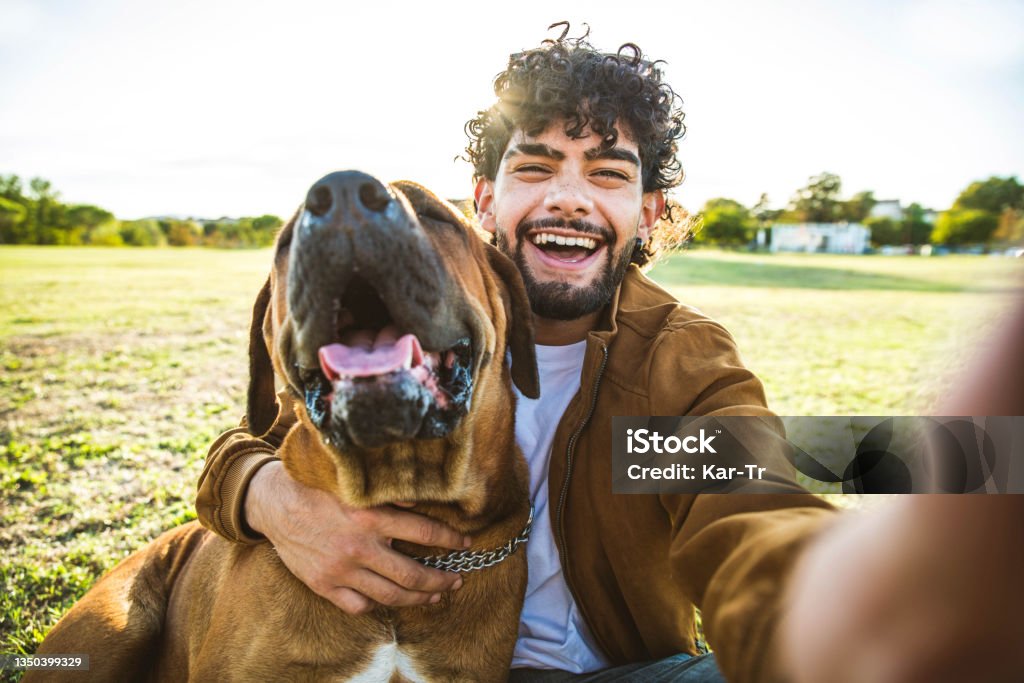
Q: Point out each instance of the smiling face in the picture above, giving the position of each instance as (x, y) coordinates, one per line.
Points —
(568, 212)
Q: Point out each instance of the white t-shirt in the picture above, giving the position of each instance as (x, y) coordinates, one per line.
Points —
(552, 634)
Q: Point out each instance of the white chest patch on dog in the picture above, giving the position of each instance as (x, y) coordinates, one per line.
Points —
(387, 661)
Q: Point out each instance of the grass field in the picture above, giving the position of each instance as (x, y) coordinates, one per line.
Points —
(120, 366)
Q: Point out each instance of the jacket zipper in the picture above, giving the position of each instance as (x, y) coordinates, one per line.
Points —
(565, 491)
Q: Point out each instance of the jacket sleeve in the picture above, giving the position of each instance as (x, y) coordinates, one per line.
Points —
(734, 557)
(232, 461)
(733, 553)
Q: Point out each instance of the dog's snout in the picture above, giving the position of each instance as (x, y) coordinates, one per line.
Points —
(319, 200)
(374, 196)
(355, 225)
(358, 191)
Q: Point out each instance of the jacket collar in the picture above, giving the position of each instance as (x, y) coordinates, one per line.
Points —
(608, 324)
(637, 302)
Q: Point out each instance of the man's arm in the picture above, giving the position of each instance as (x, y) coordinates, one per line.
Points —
(927, 587)
(341, 553)
(733, 552)
(924, 588)
(231, 463)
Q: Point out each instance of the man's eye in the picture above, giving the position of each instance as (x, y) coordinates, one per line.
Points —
(532, 168)
(616, 175)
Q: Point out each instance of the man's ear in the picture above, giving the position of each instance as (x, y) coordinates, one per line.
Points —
(650, 211)
(483, 193)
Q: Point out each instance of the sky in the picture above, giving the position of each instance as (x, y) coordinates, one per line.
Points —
(221, 108)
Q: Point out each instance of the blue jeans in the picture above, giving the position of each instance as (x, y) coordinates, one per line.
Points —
(677, 669)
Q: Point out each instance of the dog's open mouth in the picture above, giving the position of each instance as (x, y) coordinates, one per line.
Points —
(377, 385)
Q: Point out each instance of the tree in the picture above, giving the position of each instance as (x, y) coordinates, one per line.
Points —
(916, 229)
(818, 202)
(992, 195)
(265, 229)
(45, 211)
(182, 233)
(12, 218)
(10, 188)
(857, 208)
(964, 226)
(80, 221)
(985, 210)
(885, 230)
(107, 235)
(145, 232)
(764, 215)
(241, 232)
(727, 222)
(39, 217)
(1011, 227)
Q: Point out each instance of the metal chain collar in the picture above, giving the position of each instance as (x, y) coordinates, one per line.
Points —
(471, 560)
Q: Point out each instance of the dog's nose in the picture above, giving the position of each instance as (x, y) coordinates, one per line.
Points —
(319, 200)
(374, 196)
(371, 193)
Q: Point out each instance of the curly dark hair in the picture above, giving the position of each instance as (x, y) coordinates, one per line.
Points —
(568, 79)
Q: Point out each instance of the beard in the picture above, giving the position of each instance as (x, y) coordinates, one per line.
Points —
(561, 300)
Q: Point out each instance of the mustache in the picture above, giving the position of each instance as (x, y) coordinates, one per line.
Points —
(577, 224)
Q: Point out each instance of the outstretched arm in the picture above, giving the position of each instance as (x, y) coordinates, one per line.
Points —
(928, 587)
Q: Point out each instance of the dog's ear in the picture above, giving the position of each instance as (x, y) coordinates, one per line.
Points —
(519, 335)
(261, 407)
(429, 204)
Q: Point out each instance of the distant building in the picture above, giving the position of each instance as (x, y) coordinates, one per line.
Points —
(887, 208)
(830, 238)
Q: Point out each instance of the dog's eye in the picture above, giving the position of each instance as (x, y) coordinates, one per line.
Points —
(310, 376)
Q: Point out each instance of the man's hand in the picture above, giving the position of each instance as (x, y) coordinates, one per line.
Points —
(925, 589)
(343, 553)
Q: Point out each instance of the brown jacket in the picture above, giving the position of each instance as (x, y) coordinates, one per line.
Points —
(636, 564)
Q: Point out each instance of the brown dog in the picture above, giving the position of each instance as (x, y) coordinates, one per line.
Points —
(388, 320)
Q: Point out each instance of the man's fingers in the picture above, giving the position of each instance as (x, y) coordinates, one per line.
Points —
(416, 528)
(344, 554)
(379, 589)
(411, 575)
(349, 601)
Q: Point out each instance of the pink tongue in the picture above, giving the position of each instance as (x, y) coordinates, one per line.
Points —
(371, 355)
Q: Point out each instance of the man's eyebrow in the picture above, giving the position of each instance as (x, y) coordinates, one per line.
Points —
(535, 149)
(614, 153)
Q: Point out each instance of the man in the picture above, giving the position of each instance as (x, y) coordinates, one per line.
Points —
(572, 163)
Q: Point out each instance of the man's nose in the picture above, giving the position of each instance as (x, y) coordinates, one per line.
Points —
(569, 197)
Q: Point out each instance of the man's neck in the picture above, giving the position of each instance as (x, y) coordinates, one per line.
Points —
(549, 332)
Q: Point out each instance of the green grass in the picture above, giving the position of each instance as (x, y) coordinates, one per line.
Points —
(836, 335)
(118, 367)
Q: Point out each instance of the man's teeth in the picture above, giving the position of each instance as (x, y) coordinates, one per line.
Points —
(543, 238)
